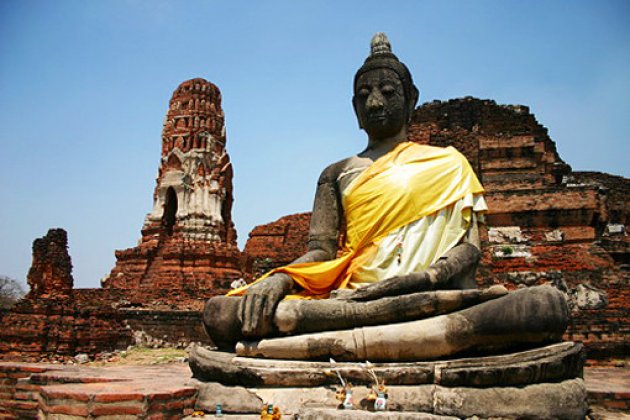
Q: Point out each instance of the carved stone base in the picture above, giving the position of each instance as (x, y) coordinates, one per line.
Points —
(554, 400)
(542, 383)
(552, 363)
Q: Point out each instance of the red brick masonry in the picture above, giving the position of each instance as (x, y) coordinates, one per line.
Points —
(149, 392)
(161, 392)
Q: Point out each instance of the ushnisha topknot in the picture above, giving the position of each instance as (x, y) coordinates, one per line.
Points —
(380, 44)
(381, 56)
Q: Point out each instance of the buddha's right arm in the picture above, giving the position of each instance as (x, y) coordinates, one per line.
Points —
(260, 301)
(325, 222)
(324, 227)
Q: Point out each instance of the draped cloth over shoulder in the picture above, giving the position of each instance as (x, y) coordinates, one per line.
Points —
(402, 187)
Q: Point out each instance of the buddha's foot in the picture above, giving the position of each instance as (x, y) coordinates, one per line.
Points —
(533, 315)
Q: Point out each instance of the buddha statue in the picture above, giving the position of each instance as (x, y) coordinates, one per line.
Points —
(402, 287)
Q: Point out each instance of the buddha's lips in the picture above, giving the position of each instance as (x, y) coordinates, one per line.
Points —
(377, 118)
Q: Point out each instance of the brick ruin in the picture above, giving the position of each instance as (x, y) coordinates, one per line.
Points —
(545, 223)
(154, 294)
(50, 276)
(276, 244)
(54, 318)
(188, 240)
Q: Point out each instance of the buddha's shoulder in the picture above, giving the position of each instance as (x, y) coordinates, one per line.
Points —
(333, 172)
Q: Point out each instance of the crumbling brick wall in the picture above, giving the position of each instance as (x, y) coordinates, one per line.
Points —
(276, 244)
(50, 275)
(50, 321)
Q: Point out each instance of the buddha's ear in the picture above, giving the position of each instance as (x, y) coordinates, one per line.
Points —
(413, 101)
(354, 106)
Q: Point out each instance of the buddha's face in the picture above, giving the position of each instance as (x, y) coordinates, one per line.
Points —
(380, 104)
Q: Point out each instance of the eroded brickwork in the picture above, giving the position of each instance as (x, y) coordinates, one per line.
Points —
(276, 244)
(507, 147)
(54, 320)
(50, 275)
(56, 331)
(188, 240)
(187, 253)
(545, 223)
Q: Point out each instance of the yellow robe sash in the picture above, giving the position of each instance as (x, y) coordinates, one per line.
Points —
(408, 183)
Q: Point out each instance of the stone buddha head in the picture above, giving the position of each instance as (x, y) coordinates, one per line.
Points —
(384, 93)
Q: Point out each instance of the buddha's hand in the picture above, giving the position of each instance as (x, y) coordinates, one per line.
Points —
(393, 286)
(259, 303)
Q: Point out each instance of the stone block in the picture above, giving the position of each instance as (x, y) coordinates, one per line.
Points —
(233, 399)
(563, 400)
(331, 414)
(506, 234)
(589, 297)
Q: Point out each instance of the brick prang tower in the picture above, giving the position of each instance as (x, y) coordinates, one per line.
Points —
(188, 238)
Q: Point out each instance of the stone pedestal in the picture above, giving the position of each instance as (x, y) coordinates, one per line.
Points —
(545, 382)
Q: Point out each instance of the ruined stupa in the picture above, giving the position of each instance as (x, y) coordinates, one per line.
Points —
(188, 239)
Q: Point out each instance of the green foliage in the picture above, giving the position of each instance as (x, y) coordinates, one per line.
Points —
(507, 250)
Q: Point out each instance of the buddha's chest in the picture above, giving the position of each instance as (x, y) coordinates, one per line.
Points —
(355, 167)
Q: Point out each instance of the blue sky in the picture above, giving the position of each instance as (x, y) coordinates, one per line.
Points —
(84, 87)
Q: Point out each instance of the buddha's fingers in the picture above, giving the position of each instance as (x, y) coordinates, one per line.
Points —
(222, 320)
(394, 286)
(370, 292)
(250, 314)
(267, 312)
(243, 311)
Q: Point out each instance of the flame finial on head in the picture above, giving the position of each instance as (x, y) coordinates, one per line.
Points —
(380, 44)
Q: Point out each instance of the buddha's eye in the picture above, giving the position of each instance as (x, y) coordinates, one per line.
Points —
(363, 92)
(388, 89)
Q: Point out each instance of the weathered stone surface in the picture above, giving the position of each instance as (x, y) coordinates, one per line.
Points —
(233, 399)
(564, 400)
(550, 363)
(559, 400)
(300, 316)
(588, 297)
(292, 400)
(554, 400)
(332, 414)
(524, 317)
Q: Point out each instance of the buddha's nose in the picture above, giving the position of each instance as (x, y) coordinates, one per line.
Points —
(374, 101)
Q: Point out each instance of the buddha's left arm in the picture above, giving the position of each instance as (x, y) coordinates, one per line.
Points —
(453, 270)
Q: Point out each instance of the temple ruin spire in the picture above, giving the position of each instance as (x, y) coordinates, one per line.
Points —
(188, 238)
